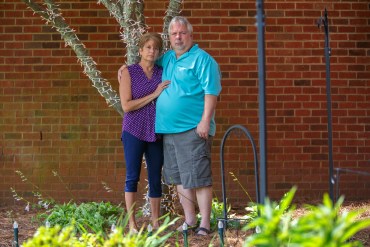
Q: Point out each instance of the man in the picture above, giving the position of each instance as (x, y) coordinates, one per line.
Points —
(185, 117)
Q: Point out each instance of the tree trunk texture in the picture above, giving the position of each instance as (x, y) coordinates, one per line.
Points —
(129, 15)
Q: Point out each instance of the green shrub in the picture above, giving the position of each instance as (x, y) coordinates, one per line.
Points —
(54, 236)
(142, 239)
(321, 226)
(66, 237)
(325, 226)
(97, 217)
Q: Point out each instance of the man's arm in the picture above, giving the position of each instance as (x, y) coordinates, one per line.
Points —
(203, 127)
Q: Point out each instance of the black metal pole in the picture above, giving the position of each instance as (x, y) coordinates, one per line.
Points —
(325, 22)
(261, 94)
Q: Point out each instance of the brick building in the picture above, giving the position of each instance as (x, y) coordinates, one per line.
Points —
(52, 119)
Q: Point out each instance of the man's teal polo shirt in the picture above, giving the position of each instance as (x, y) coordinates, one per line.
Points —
(180, 106)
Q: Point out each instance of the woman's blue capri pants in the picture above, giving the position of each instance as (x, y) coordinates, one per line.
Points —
(134, 150)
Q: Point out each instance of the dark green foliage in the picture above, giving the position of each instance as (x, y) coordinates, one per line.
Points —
(93, 216)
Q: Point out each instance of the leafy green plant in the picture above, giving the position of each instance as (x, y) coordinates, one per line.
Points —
(54, 236)
(142, 239)
(252, 211)
(217, 212)
(272, 224)
(322, 226)
(57, 236)
(97, 217)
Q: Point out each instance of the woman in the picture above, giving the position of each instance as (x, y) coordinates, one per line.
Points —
(140, 85)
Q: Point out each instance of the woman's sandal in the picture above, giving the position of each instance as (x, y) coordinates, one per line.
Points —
(203, 230)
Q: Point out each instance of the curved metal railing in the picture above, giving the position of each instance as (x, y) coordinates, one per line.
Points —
(248, 134)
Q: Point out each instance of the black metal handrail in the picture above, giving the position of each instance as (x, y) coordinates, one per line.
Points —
(346, 170)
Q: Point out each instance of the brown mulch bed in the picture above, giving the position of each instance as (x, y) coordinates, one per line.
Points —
(28, 224)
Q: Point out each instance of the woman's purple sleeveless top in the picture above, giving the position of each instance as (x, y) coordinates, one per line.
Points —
(140, 123)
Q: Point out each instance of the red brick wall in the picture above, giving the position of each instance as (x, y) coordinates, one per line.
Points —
(52, 118)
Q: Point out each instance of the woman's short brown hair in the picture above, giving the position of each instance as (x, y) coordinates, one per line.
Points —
(151, 36)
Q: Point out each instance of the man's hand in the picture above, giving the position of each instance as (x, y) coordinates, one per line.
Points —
(209, 108)
(119, 75)
(203, 129)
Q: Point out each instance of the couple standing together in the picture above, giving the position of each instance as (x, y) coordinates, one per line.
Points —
(169, 104)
